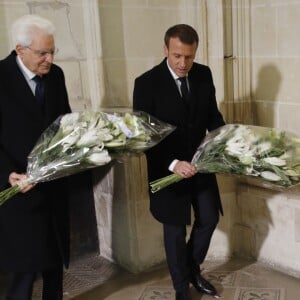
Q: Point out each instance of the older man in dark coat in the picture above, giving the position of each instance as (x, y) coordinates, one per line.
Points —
(34, 231)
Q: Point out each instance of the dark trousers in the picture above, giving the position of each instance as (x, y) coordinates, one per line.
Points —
(185, 257)
(21, 286)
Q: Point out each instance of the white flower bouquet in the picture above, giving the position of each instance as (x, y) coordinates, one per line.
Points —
(270, 157)
(82, 140)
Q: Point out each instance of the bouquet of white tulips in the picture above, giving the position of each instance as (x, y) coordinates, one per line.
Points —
(264, 156)
(81, 140)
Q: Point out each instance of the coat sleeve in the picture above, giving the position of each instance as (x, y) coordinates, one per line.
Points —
(6, 167)
(142, 96)
(144, 100)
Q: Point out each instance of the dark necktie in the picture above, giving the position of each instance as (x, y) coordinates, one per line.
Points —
(184, 88)
(39, 89)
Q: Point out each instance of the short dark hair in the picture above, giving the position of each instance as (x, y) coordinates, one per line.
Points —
(186, 34)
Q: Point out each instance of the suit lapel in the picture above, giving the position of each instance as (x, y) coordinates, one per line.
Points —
(50, 96)
(197, 90)
(21, 91)
(169, 85)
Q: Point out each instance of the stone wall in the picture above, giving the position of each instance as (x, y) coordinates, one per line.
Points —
(268, 221)
(105, 44)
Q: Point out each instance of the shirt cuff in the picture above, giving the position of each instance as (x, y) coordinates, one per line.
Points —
(172, 165)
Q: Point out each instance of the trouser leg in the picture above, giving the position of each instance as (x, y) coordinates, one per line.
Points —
(176, 254)
(53, 284)
(21, 286)
(206, 219)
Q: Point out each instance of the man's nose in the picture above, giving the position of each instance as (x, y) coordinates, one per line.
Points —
(49, 57)
(183, 61)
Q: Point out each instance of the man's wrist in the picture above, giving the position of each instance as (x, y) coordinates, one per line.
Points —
(172, 165)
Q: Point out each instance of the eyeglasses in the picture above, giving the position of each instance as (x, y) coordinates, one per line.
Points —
(43, 53)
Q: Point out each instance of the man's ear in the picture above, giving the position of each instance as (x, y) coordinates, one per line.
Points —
(166, 51)
(20, 49)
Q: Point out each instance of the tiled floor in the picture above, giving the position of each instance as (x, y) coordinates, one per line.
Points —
(94, 278)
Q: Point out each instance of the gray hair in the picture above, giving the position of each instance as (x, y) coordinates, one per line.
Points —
(24, 28)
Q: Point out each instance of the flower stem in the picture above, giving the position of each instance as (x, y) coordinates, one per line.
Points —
(161, 183)
(13, 190)
(8, 193)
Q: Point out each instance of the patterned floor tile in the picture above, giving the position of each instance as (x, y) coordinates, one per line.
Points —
(252, 293)
(225, 278)
(82, 276)
(98, 279)
(157, 293)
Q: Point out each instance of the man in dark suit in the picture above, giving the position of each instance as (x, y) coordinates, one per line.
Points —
(34, 231)
(181, 92)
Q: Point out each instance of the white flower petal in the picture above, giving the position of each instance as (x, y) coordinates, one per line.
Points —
(276, 161)
(271, 176)
(99, 158)
(263, 147)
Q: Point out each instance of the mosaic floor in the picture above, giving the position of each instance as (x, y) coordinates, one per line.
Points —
(94, 278)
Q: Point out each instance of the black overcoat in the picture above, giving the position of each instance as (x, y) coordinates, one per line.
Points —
(31, 224)
(156, 93)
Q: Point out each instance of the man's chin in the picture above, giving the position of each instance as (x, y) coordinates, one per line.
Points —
(44, 71)
(181, 73)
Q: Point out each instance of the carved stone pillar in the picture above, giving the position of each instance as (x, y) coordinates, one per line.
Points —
(237, 56)
(128, 233)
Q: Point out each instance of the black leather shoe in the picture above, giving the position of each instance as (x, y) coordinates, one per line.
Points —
(184, 295)
(202, 285)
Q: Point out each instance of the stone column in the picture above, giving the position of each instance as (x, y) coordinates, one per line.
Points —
(128, 234)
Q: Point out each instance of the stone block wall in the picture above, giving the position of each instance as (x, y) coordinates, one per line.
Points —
(104, 45)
